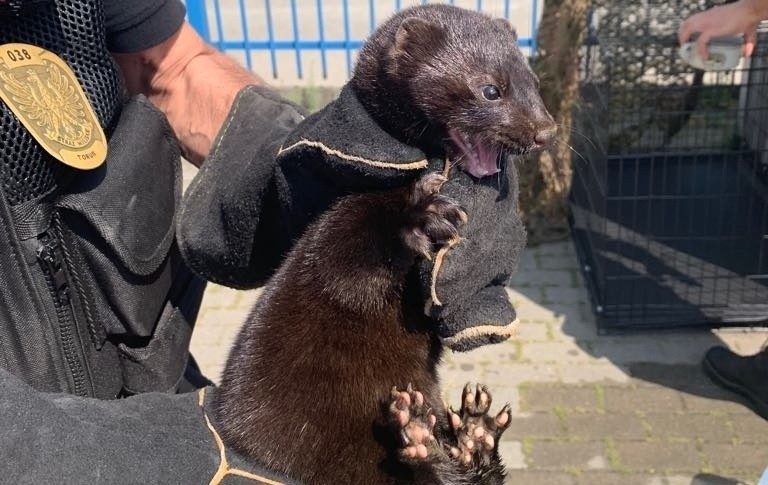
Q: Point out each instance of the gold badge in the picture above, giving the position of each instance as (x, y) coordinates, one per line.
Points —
(44, 94)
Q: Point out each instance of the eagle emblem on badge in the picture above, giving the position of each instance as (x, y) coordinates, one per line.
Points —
(50, 100)
(44, 94)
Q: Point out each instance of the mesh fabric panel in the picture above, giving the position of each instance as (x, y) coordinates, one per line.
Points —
(73, 29)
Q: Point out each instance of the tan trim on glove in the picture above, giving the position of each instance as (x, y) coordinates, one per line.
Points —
(436, 270)
(224, 468)
(509, 330)
(416, 165)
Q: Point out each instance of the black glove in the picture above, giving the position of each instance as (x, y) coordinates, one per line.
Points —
(218, 228)
(464, 283)
(271, 172)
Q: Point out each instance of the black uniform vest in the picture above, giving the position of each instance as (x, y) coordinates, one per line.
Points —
(94, 297)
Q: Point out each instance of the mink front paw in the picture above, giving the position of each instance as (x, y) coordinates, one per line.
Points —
(414, 423)
(432, 219)
(477, 433)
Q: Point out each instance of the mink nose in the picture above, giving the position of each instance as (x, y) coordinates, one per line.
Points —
(545, 135)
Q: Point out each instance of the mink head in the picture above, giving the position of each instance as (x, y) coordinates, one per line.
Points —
(441, 77)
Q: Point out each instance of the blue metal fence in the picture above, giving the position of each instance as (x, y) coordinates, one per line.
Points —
(250, 27)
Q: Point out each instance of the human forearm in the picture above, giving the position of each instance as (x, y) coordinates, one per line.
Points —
(192, 83)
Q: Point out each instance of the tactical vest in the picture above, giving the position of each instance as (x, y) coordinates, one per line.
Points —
(94, 297)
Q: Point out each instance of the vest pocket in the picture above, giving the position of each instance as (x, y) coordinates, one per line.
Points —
(122, 217)
(123, 214)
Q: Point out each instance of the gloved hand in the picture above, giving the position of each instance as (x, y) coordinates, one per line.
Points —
(464, 283)
(219, 228)
(272, 171)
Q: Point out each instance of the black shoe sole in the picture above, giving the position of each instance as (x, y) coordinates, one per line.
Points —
(760, 407)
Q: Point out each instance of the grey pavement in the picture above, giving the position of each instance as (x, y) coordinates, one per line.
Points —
(587, 409)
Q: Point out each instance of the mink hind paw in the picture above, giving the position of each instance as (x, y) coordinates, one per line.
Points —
(477, 433)
(413, 420)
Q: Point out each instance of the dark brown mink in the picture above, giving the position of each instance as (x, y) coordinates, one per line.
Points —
(307, 390)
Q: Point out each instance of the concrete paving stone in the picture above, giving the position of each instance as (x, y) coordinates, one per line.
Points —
(691, 351)
(711, 479)
(675, 376)
(651, 348)
(567, 328)
(615, 478)
(628, 350)
(562, 294)
(247, 299)
(534, 332)
(555, 248)
(217, 297)
(558, 262)
(748, 459)
(532, 477)
(715, 400)
(658, 456)
(563, 353)
(567, 247)
(536, 425)
(544, 398)
(458, 375)
(643, 399)
(598, 463)
(587, 373)
(526, 263)
(512, 456)
(226, 319)
(516, 374)
(535, 313)
(556, 455)
(544, 278)
(750, 428)
(490, 355)
(596, 426)
(580, 310)
(205, 338)
(711, 428)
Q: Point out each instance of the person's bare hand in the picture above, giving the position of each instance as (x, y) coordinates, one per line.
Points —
(737, 18)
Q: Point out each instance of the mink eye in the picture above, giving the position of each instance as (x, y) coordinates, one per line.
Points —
(491, 92)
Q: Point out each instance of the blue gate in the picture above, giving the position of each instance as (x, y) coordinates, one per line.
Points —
(261, 32)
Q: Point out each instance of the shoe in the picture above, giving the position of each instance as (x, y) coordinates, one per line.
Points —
(747, 376)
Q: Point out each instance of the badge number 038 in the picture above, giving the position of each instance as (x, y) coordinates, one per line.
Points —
(43, 93)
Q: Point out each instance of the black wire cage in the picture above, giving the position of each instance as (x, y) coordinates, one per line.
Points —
(669, 199)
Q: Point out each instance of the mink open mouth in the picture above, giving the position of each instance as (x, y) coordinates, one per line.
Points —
(475, 156)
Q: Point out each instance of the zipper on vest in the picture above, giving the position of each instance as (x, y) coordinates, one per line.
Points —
(50, 256)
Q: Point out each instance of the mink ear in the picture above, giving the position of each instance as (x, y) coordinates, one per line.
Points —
(417, 35)
(505, 24)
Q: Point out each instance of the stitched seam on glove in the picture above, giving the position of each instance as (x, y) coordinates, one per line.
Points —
(509, 330)
(436, 270)
(415, 165)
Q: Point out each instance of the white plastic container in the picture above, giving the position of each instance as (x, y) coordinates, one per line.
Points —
(724, 54)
